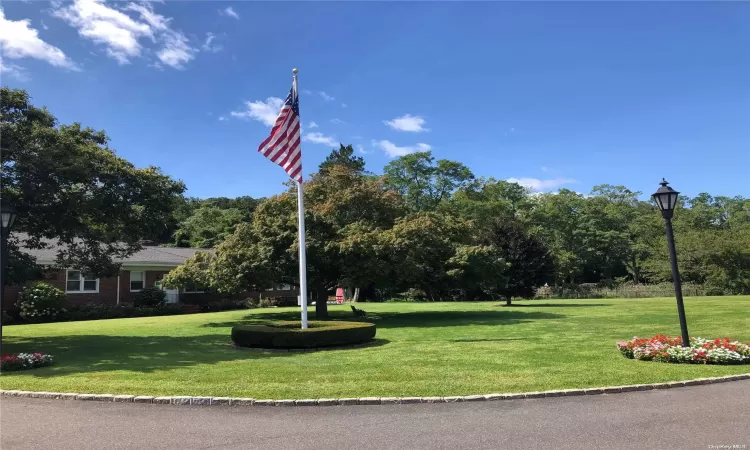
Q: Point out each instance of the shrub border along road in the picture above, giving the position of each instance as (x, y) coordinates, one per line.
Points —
(232, 401)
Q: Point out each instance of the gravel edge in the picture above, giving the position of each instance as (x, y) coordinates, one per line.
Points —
(232, 401)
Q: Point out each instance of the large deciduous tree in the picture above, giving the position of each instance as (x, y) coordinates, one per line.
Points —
(557, 219)
(68, 186)
(530, 263)
(207, 227)
(485, 199)
(343, 213)
(440, 255)
(424, 182)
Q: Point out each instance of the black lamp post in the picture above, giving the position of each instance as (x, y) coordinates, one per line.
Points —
(666, 199)
(7, 217)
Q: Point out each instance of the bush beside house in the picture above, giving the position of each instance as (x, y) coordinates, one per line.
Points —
(150, 297)
(41, 302)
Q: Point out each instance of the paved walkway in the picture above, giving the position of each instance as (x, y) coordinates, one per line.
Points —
(700, 417)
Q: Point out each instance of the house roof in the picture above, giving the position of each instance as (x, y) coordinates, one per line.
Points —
(163, 255)
(149, 255)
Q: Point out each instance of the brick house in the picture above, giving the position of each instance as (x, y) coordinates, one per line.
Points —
(145, 268)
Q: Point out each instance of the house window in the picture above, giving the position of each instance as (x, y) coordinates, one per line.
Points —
(137, 281)
(280, 287)
(77, 281)
(191, 288)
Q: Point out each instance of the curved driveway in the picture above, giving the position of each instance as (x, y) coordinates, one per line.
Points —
(702, 417)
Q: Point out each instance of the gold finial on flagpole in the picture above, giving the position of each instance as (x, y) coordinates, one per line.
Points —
(294, 71)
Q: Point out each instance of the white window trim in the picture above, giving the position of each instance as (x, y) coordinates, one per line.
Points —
(143, 280)
(80, 284)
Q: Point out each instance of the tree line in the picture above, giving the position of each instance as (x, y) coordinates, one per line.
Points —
(430, 228)
(425, 227)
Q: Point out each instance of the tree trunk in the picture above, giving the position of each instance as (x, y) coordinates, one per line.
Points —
(507, 301)
(321, 304)
(355, 297)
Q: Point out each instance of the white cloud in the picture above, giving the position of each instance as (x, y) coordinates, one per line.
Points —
(538, 185)
(306, 91)
(13, 71)
(117, 31)
(344, 105)
(44, 25)
(208, 44)
(312, 125)
(361, 149)
(545, 169)
(394, 150)
(146, 11)
(265, 112)
(121, 34)
(18, 40)
(338, 122)
(230, 12)
(407, 122)
(319, 138)
(176, 51)
(222, 118)
(326, 97)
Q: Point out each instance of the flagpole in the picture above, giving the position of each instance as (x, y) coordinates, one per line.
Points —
(301, 229)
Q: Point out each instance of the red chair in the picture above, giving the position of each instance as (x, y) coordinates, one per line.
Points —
(339, 295)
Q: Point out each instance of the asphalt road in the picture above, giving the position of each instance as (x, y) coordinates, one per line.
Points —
(701, 417)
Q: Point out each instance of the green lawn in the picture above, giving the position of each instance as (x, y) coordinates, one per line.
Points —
(423, 349)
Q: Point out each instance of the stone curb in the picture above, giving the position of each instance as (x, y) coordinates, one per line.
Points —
(232, 401)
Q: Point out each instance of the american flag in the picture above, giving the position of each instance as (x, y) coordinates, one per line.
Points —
(283, 145)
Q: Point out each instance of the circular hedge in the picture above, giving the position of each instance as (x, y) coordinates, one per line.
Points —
(288, 334)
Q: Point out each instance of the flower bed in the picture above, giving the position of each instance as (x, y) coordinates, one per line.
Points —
(701, 351)
(22, 361)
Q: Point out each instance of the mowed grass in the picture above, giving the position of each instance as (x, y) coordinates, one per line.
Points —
(422, 349)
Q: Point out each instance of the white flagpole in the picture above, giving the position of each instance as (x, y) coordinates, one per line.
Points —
(301, 228)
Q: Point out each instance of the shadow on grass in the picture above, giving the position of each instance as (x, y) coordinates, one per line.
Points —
(409, 319)
(104, 353)
(553, 305)
(373, 343)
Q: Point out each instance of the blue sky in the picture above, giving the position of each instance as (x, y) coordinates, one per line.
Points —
(553, 94)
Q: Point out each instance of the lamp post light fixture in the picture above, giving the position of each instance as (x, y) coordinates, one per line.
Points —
(7, 218)
(666, 199)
